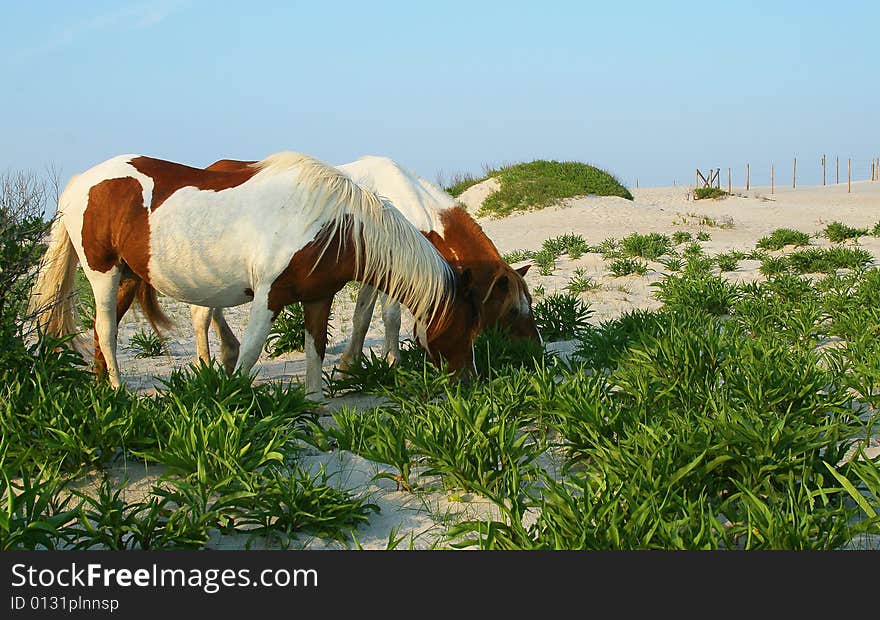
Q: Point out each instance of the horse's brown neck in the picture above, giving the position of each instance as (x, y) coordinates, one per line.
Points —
(466, 246)
(465, 238)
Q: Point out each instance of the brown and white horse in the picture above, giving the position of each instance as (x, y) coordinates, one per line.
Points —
(503, 294)
(288, 228)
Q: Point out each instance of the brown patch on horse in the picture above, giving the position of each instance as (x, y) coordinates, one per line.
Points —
(229, 165)
(304, 280)
(466, 237)
(115, 222)
(115, 226)
(168, 177)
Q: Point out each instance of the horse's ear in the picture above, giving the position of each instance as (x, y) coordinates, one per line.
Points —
(523, 270)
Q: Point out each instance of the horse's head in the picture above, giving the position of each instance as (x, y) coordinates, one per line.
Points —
(451, 336)
(507, 304)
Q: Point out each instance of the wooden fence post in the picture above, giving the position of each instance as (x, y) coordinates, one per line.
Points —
(747, 177)
(728, 181)
(823, 169)
(794, 175)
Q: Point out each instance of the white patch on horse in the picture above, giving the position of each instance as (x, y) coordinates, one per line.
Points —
(420, 202)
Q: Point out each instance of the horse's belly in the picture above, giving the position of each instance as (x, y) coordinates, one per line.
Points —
(199, 268)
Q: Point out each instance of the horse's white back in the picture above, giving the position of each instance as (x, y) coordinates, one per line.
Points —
(420, 201)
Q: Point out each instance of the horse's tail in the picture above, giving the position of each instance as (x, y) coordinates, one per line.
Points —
(52, 303)
(149, 303)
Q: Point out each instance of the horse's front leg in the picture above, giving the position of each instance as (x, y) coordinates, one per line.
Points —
(316, 314)
(259, 324)
(360, 323)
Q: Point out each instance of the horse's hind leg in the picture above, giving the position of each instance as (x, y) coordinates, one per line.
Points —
(316, 314)
(106, 289)
(201, 319)
(391, 321)
(229, 345)
(363, 313)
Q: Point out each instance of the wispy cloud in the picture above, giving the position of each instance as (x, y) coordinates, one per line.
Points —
(131, 17)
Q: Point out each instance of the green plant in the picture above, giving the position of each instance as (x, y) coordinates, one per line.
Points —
(825, 260)
(516, 256)
(540, 183)
(146, 344)
(561, 317)
(673, 263)
(728, 261)
(601, 346)
(705, 292)
(495, 353)
(693, 250)
(545, 260)
(838, 232)
(628, 266)
(33, 509)
(703, 236)
(472, 442)
(581, 283)
(709, 192)
(782, 237)
(651, 246)
(681, 236)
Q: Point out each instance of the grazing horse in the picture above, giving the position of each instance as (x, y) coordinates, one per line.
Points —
(288, 228)
(502, 291)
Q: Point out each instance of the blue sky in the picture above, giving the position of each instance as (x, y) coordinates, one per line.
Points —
(646, 90)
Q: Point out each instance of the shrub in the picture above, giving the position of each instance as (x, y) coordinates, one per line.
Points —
(651, 246)
(561, 317)
(701, 193)
(516, 256)
(728, 261)
(838, 232)
(681, 236)
(782, 237)
(704, 292)
(628, 266)
(146, 344)
(581, 283)
(545, 260)
(496, 353)
(573, 245)
(23, 200)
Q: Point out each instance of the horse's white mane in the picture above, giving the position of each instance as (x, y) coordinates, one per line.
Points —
(386, 246)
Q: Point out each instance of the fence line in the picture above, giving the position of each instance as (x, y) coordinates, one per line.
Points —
(871, 170)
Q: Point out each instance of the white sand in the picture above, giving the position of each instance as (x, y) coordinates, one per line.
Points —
(421, 516)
